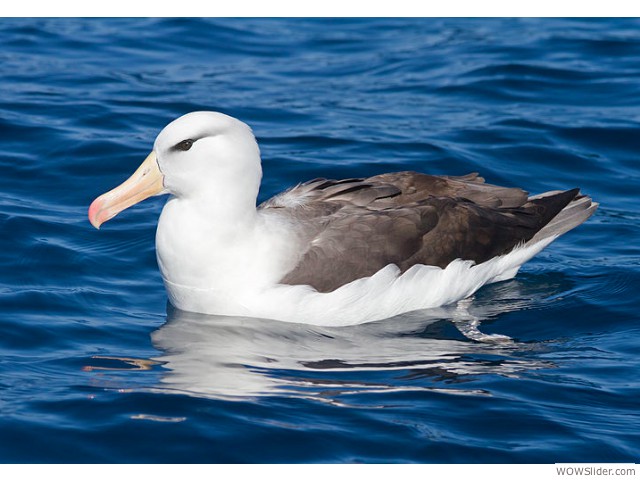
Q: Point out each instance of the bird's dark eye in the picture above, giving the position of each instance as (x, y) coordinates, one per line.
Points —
(184, 145)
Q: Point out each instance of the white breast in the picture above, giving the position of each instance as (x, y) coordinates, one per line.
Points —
(239, 258)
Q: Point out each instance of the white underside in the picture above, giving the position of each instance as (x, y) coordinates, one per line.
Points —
(383, 295)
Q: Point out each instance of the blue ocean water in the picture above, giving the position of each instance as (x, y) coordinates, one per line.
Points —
(94, 365)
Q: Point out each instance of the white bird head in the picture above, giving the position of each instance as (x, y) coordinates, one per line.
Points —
(206, 156)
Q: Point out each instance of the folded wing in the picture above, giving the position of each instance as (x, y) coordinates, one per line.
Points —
(352, 228)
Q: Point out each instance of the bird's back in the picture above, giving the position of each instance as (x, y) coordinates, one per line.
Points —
(352, 228)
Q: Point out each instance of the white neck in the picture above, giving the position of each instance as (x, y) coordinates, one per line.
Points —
(218, 241)
(196, 234)
(225, 204)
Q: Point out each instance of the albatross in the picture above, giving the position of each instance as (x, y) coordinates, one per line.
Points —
(326, 252)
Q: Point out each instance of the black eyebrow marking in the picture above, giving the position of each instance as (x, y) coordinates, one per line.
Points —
(184, 145)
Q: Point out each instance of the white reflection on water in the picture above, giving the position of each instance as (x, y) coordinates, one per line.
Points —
(227, 357)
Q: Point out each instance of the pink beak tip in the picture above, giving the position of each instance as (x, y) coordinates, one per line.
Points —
(94, 209)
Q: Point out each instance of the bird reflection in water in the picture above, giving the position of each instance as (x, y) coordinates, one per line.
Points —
(439, 350)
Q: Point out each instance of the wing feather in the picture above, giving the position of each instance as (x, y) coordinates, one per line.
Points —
(352, 228)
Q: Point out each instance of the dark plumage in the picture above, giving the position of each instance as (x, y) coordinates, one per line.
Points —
(355, 227)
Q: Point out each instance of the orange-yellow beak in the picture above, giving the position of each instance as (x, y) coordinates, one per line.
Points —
(144, 183)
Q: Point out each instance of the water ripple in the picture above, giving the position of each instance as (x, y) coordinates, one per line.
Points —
(538, 369)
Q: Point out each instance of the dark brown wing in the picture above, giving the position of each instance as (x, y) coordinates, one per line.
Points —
(352, 228)
(397, 189)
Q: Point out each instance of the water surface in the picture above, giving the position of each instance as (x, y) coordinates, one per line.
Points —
(95, 368)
